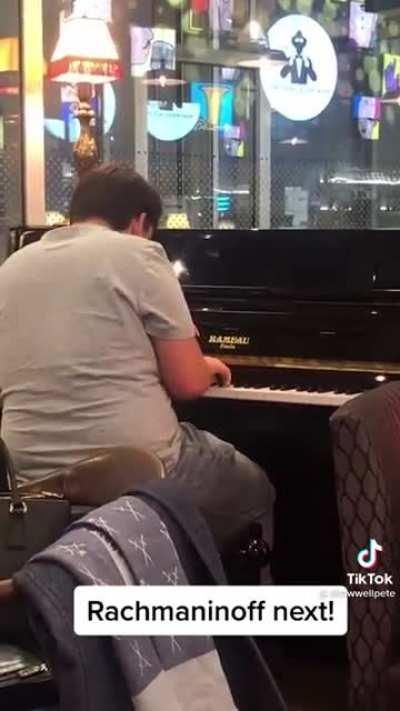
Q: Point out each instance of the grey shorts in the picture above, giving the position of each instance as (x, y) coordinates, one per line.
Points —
(224, 482)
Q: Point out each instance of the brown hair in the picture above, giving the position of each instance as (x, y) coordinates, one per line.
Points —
(116, 194)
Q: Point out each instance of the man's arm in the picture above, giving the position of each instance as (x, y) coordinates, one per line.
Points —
(185, 373)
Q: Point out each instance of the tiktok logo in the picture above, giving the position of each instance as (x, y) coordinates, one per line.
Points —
(368, 557)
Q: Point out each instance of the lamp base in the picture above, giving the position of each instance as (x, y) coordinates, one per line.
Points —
(86, 154)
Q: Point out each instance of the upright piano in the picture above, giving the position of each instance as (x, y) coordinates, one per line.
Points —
(306, 320)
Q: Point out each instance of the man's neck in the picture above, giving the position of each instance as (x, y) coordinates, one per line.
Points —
(96, 221)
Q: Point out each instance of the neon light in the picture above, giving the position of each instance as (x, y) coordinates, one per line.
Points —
(216, 102)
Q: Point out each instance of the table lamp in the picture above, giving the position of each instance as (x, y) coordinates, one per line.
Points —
(85, 55)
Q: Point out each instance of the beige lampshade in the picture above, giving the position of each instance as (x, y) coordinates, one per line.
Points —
(85, 53)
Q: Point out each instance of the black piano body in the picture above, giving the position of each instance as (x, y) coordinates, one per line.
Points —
(306, 320)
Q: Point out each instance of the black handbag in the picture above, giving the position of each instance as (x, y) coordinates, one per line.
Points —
(17, 665)
(28, 524)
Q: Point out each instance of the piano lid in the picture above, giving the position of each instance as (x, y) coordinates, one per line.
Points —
(290, 299)
(331, 264)
(338, 264)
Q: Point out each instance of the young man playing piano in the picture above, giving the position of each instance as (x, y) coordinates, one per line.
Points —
(96, 339)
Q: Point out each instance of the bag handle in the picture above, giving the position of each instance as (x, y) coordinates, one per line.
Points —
(17, 506)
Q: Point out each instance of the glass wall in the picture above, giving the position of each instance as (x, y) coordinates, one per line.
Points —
(243, 113)
(10, 120)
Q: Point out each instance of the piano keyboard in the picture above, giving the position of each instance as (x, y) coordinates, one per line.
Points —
(294, 397)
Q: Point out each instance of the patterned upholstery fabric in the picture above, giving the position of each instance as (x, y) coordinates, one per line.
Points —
(366, 443)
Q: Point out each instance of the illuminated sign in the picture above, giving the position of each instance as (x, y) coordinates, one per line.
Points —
(224, 203)
(301, 87)
(369, 129)
(391, 76)
(367, 107)
(234, 140)
(171, 124)
(363, 26)
(94, 9)
(152, 48)
(216, 102)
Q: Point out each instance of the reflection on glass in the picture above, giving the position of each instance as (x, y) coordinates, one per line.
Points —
(180, 269)
(211, 127)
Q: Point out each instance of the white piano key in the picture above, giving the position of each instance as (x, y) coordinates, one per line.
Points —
(295, 397)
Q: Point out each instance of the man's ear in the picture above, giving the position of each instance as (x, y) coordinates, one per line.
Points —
(138, 225)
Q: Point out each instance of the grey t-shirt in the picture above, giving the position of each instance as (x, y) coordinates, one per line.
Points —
(77, 366)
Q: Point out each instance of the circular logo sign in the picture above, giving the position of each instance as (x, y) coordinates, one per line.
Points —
(301, 86)
(171, 124)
